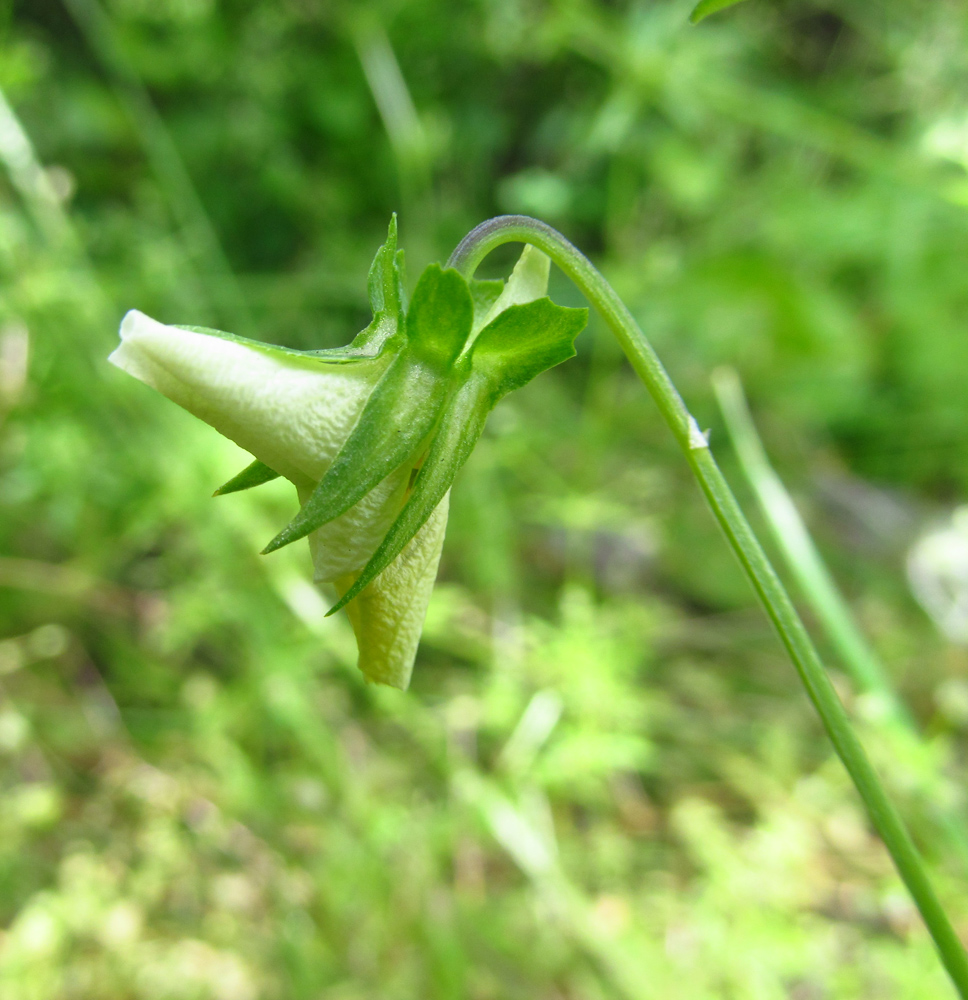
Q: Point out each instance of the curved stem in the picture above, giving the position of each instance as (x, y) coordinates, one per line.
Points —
(519, 228)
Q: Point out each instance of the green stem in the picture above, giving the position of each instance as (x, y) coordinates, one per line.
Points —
(808, 568)
(518, 228)
(798, 548)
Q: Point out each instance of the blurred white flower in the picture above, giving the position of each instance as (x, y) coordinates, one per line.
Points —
(937, 568)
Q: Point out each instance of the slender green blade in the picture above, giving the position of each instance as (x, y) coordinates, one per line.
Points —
(704, 8)
(252, 475)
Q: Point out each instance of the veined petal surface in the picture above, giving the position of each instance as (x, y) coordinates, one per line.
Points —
(292, 412)
(388, 615)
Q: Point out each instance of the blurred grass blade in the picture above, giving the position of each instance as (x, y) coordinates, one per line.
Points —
(406, 132)
(798, 548)
(166, 161)
(33, 184)
(705, 8)
(829, 605)
(31, 180)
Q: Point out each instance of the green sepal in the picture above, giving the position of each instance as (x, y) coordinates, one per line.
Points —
(460, 427)
(403, 408)
(252, 475)
(524, 341)
(440, 318)
(519, 344)
(385, 287)
(385, 331)
(397, 418)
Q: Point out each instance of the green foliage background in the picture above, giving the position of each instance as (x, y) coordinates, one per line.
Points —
(605, 781)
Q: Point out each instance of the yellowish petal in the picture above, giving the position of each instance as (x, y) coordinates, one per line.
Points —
(528, 281)
(389, 615)
(291, 413)
(345, 545)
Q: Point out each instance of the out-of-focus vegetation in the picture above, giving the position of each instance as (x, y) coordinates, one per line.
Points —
(605, 781)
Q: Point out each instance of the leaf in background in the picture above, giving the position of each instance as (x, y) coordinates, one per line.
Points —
(705, 8)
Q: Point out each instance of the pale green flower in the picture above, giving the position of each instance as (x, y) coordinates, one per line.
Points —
(401, 425)
(293, 413)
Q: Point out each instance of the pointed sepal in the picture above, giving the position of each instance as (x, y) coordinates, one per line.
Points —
(252, 475)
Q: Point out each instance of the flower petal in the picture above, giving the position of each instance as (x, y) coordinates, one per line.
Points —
(388, 615)
(528, 281)
(345, 544)
(292, 412)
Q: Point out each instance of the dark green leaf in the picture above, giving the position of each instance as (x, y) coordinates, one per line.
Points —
(704, 8)
(252, 475)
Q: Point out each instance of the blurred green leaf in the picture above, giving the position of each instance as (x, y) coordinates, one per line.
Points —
(705, 8)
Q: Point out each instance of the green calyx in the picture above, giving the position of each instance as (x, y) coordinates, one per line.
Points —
(404, 407)
(450, 357)
(519, 344)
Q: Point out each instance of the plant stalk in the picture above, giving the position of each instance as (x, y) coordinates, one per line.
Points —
(804, 561)
(779, 607)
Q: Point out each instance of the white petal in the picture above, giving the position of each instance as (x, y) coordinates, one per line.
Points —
(388, 615)
(291, 413)
(528, 281)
